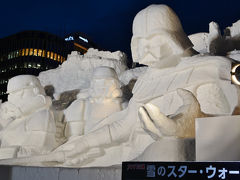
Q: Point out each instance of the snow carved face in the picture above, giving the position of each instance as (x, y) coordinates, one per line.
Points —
(158, 37)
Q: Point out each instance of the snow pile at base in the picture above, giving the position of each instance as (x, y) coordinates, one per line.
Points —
(75, 73)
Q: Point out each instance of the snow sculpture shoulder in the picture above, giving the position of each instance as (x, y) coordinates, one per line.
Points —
(27, 123)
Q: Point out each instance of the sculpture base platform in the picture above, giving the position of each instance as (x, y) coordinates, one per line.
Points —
(40, 173)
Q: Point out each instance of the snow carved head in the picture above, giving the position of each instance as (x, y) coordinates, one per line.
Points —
(23, 88)
(105, 83)
(158, 36)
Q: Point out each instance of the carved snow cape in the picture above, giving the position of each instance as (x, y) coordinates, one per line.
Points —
(177, 87)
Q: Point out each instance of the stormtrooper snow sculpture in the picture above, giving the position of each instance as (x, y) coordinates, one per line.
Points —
(27, 124)
(104, 99)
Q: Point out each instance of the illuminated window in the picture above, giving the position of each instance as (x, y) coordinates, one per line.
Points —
(20, 52)
(59, 58)
(55, 56)
(31, 52)
(38, 66)
(39, 52)
(35, 52)
(29, 65)
(43, 53)
(9, 56)
(51, 57)
(48, 54)
(26, 52)
(23, 52)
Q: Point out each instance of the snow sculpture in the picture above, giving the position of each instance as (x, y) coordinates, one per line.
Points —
(166, 98)
(27, 124)
(162, 46)
(75, 73)
(104, 98)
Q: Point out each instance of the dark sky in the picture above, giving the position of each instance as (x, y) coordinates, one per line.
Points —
(108, 23)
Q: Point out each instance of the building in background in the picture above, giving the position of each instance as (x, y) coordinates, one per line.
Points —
(31, 52)
(79, 42)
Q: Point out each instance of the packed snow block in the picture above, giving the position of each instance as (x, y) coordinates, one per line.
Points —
(200, 42)
(40, 173)
(170, 149)
(217, 138)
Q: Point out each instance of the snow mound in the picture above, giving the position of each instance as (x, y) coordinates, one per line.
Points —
(75, 73)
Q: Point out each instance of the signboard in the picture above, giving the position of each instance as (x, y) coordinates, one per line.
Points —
(180, 170)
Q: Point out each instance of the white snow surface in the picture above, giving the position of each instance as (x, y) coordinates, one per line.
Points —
(234, 30)
(200, 42)
(234, 55)
(75, 73)
(130, 74)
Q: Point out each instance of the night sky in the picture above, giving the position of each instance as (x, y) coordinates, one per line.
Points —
(109, 23)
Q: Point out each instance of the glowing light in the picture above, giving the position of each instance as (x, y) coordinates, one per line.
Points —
(70, 38)
(84, 39)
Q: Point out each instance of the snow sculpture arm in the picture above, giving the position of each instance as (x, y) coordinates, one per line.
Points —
(217, 99)
(118, 127)
(181, 124)
(78, 147)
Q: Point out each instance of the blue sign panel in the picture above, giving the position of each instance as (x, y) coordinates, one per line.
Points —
(180, 170)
